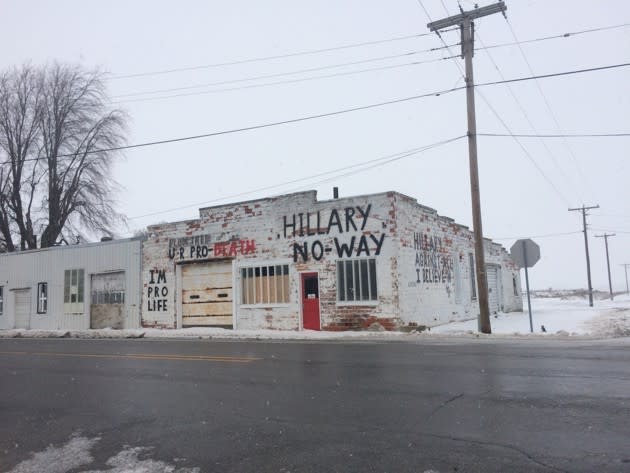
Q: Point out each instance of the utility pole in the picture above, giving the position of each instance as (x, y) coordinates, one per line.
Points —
(625, 266)
(583, 209)
(605, 237)
(465, 22)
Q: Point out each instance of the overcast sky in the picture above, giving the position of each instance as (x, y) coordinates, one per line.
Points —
(524, 193)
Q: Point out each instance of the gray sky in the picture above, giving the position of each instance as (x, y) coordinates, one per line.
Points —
(519, 198)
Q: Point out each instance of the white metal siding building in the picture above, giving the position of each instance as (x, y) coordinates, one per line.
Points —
(72, 287)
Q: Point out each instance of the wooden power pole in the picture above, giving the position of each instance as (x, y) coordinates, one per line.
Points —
(583, 209)
(465, 21)
(605, 237)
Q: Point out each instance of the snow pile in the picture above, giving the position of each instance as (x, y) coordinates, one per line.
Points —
(559, 316)
(76, 453)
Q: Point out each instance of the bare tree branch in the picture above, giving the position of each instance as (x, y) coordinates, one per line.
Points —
(53, 179)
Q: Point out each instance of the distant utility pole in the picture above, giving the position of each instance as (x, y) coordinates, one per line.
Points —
(583, 209)
(605, 237)
(465, 22)
(625, 266)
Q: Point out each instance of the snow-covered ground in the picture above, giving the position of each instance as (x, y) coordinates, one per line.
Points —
(561, 317)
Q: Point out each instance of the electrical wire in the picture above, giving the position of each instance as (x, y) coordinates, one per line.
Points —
(290, 81)
(565, 135)
(267, 58)
(551, 112)
(526, 115)
(559, 36)
(487, 102)
(548, 235)
(281, 74)
(364, 165)
(313, 117)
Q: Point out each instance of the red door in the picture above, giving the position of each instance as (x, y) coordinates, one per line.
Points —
(310, 301)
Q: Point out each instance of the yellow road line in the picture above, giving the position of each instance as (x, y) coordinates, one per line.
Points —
(142, 356)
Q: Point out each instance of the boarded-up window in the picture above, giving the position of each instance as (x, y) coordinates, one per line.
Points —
(264, 285)
(73, 291)
(108, 288)
(356, 280)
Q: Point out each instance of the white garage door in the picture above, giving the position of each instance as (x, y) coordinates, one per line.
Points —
(207, 294)
(493, 289)
(22, 299)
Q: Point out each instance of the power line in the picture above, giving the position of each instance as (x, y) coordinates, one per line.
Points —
(565, 135)
(291, 81)
(349, 46)
(366, 165)
(555, 74)
(282, 74)
(321, 115)
(548, 106)
(267, 58)
(559, 36)
(524, 112)
(548, 235)
(487, 102)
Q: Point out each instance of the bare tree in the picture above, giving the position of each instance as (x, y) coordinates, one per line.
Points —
(57, 134)
(20, 100)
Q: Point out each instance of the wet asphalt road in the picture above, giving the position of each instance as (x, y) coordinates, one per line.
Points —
(465, 406)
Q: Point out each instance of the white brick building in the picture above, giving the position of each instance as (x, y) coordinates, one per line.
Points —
(293, 262)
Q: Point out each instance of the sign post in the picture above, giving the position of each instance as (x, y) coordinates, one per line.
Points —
(526, 254)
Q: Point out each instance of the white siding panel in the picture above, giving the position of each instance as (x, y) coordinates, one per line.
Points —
(24, 270)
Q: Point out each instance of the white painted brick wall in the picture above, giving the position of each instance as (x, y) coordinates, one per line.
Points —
(392, 219)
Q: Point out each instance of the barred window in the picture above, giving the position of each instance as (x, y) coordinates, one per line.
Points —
(265, 285)
(73, 291)
(42, 297)
(356, 280)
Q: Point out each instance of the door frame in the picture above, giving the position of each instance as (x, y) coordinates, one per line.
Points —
(319, 303)
(15, 292)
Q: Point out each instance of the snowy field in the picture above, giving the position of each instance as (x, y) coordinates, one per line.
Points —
(561, 317)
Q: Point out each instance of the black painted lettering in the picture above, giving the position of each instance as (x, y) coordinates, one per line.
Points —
(289, 225)
(152, 281)
(303, 251)
(308, 225)
(349, 220)
(364, 215)
(334, 221)
(164, 291)
(317, 250)
(161, 276)
(343, 248)
(301, 215)
(378, 242)
(363, 246)
(181, 252)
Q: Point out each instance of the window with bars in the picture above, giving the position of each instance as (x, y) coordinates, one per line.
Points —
(42, 297)
(264, 285)
(73, 291)
(356, 280)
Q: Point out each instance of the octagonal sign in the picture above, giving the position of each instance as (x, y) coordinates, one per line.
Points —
(525, 253)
